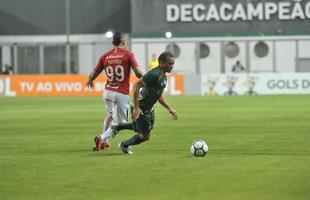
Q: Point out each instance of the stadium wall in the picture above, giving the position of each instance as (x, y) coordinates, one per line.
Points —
(208, 36)
(201, 17)
(255, 84)
(47, 54)
(59, 17)
(213, 84)
(257, 54)
(69, 85)
(221, 18)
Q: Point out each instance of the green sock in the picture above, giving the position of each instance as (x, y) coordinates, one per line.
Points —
(134, 140)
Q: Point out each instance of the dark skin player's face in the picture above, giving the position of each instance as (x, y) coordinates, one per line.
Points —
(167, 65)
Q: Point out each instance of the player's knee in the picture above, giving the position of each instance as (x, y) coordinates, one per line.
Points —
(145, 136)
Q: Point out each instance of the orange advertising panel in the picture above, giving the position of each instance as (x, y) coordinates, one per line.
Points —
(69, 85)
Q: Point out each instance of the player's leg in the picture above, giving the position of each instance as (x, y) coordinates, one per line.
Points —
(143, 127)
(106, 124)
(136, 139)
(120, 127)
(123, 126)
(108, 102)
(140, 137)
(120, 114)
(107, 121)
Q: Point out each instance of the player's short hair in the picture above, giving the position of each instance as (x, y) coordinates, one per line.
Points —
(164, 56)
(118, 38)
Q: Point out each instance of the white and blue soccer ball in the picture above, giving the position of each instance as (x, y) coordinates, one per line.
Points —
(199, 148)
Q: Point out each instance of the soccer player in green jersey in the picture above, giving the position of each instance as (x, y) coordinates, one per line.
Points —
(146, 92)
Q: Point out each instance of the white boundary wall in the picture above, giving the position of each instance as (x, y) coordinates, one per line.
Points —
(258, 83)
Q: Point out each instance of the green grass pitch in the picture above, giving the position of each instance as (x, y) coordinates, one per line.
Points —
(259, 148)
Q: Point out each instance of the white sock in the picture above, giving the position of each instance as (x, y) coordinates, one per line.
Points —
(106, 134)
(107, 122)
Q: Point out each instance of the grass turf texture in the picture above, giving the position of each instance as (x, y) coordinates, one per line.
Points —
(259, 148)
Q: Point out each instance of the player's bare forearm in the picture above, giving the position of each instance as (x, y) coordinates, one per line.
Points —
(91, 77)
(164, 103)
(138, 72)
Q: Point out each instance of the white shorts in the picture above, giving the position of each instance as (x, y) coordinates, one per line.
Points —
(117, 105)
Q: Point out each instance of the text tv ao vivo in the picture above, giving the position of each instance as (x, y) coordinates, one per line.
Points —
(69, 85)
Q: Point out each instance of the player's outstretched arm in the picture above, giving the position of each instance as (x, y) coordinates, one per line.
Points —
(164, 103)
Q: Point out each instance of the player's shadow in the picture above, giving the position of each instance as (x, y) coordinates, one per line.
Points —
(84, 152)
(106, 154)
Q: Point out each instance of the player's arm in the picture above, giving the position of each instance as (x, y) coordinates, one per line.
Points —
(164, 103)
(91, 77)
(138, 72)
(94, 74)
(136, 108)
(135, 66)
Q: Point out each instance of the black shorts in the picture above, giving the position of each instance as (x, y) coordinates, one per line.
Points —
(145, 122)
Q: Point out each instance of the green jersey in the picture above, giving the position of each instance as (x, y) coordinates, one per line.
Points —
(155, 82)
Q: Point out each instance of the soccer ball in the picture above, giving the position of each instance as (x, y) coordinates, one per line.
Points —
(199, 148)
